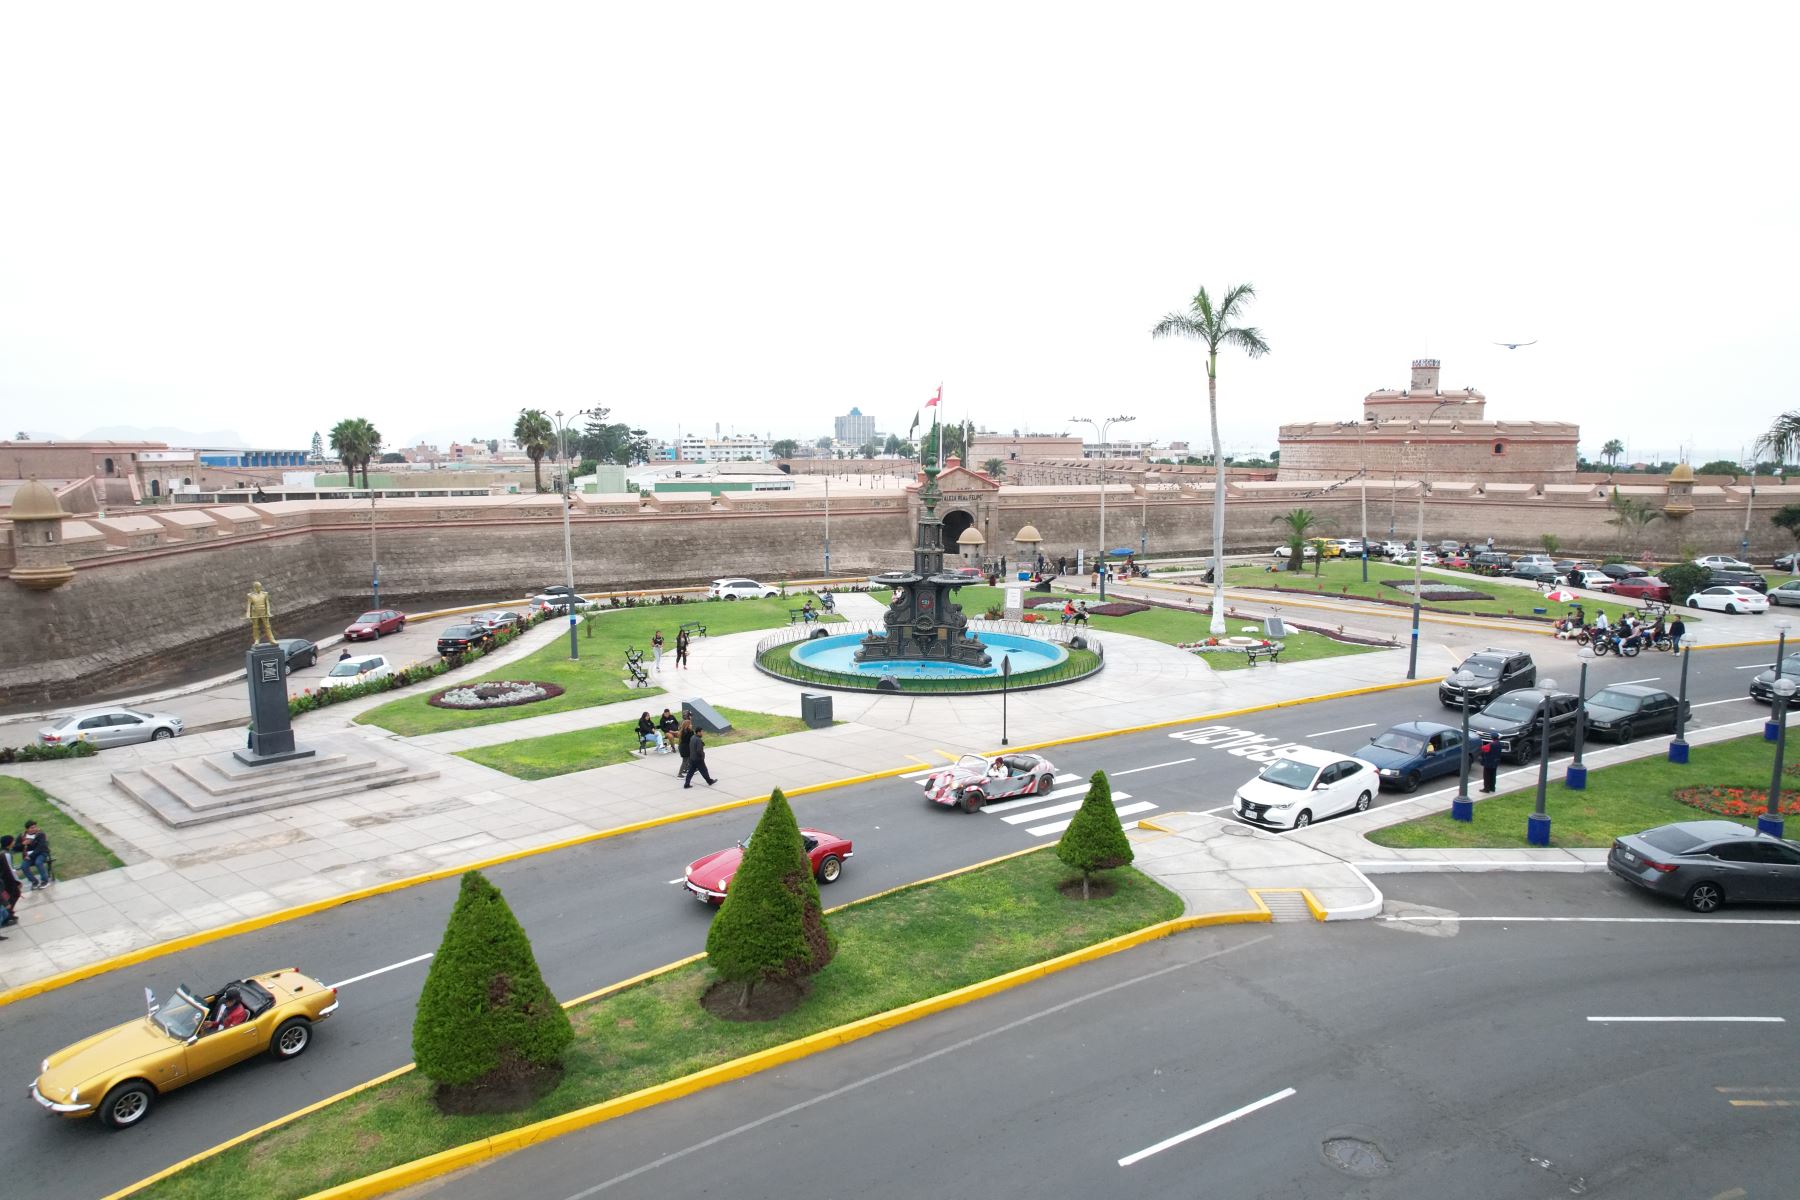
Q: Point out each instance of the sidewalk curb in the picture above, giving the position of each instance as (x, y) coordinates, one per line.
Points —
(1415, 866)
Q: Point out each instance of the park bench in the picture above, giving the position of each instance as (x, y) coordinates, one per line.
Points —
(695, 628)
(798, 616)
(634, 664)
(1270, 652)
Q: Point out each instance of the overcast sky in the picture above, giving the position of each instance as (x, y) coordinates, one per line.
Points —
(266, 218)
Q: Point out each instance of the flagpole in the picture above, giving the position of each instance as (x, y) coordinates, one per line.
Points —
(937, 425)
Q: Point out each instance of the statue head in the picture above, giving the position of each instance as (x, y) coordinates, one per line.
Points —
(257, 586)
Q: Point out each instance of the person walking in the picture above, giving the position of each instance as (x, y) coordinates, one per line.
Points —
(1490, 763)
(1677, 631)
(656, 645)
(10, 887)
(34, 850)
(681, 649)
(696, 760)
(683, 741)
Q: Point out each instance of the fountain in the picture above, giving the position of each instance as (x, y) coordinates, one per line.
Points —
(924, 622)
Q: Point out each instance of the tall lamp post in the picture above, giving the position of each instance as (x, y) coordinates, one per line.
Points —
(1364, 474)
(568, 500)
(1099, 427)
(1537, 825)
(1462, 808)
(1575, 778)
(828, 527)
(1678, 748)
(1772, 726)
(1412, 660)
(374, 562)
(1005, 678)
(1770, 822)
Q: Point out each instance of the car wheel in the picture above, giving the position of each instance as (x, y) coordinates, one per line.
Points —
(1526, 752)
(127, 1104)
(1731, 608)
(971, 800)
(830, 868)
(729, 596)
(1624, 733)
(291, 1039)
(1704, 897)
(312, 658)
(1304, 819)
(1362, 801)
(1410, 784)
(162, 735)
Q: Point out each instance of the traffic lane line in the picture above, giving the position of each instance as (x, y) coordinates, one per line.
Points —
(1196, 1131)
(417, 958)
(1154, 767)
(1345, 729)
(1690, 1020)
(1696, 919)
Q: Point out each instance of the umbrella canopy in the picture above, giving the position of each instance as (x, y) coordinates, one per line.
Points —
(1127, 550)
(1560, 596)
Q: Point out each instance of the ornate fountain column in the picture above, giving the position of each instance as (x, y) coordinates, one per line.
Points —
(924, 621)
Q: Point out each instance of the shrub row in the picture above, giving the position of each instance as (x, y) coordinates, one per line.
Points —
(37, 753)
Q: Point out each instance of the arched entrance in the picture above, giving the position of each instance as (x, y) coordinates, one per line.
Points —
(156, 487)
(955, 522)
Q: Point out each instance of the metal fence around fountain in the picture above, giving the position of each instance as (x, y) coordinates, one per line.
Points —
(1076, 666)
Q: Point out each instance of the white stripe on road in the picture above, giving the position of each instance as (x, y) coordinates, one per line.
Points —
(1714, 1020)
(1059, 826)
(1753, 667)
(1345, 729)
(1056, 809)
(1176, 762)
(1606, 920)
(1650, 679)
(917, 774)
(1040, 798)
(1710, 703)
(417, 958)
(1211, 1125)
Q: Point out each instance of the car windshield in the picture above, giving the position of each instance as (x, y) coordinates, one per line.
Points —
(368, 619)
(348, 667)
(1612, 698)
(973, 762)
(1406, 743)
(1511, 710)
(180, 1017)
(1482, 668)
(1789, 665)
(1289, 774)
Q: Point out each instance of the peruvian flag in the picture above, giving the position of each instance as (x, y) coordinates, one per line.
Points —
(933, 402)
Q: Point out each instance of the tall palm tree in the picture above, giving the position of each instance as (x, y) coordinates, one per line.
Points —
(994, 467)
(1216, 326)
(1782, 441)
(1629, 518)
(534, 432)
(1299, 522)
(1611, 451)
(356, 442)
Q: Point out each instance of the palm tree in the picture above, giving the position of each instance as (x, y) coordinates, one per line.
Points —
(1299, 523)
(1783, 439)
(1216, 326)
(1611, 451)
(1629, 518)
(534, 433)
(356, 443)
(995, 467)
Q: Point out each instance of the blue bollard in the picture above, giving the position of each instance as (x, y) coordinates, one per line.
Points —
(1537, 829)
(1462, 810)
(1678, 751)
(1576, 779)
(1769, 824)
(1771, 730)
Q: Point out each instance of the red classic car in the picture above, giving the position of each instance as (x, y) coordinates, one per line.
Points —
(375, 623)
(1642, 587)
(975, 780)
(708, 878)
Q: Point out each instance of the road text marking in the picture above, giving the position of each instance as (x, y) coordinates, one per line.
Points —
(1211, 1125)
(417, 958)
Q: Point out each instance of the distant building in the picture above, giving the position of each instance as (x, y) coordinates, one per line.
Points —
(853, 428)
(1030, 447)
(252, 460)
(1127, 451)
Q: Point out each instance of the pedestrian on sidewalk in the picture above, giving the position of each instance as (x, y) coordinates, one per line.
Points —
(681, 648)
(696, 760)
(683, 741)
(669, 727)
(1677, 631)
(656, 645)
(34, 850)
(10, 887)
(1490, 763)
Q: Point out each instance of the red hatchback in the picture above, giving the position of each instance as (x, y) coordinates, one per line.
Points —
(1642, 587)
(372, 625)
(708, 878)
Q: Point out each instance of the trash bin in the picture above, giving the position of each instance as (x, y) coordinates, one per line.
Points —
(815, 710)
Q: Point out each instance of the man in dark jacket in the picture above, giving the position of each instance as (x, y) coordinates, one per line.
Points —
(34, 849)
(1490, 763)
(10, 887)
(1677, 631)
(696, 760)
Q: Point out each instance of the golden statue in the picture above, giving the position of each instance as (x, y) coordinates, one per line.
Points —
(258, 613)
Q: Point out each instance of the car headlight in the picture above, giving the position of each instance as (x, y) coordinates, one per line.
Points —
(74, 1095)
(1389, 771)
(1281, 807)
(43, 1066)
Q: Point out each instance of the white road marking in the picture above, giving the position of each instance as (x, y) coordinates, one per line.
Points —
(1345, 729)
(1059, 826)
(1609, 920)
(1030, 801)
(918, 773)
(417, 958)
(1650, 679)
(1713, 1020)
(677, 881)
(1710, 703)
(1176, 762)
(1211, 1125)
(1055, 809)
(1753, 667)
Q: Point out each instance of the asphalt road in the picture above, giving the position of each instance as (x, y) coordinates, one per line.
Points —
(1381, 1059)
(608, 910)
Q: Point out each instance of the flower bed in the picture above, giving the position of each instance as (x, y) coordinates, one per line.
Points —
(1735, 801)
(1436, 591)
(498, 693)
(1112, 608)
(32, 752)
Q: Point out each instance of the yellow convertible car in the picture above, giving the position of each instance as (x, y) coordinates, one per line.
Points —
(120, 1073)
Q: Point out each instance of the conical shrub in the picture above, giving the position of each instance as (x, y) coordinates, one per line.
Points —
(485, 1018)
(1094, 840)
(771, 926)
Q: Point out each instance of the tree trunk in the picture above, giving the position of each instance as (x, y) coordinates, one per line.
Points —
(1084, 885)
(1218, 513)
(537, 471)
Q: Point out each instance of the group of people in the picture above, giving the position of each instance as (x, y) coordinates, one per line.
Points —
(1074, 612)
(681, 650)
(33, 850)
(669, 733)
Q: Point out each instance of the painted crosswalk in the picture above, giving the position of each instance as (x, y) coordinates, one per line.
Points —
(1062, 801)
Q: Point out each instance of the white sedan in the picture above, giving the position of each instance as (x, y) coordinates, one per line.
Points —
(1427, 558)
(1730, 599)
(1304, 785)
(739, 589)
(347, 672)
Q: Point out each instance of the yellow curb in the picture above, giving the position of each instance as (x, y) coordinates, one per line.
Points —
(1735, 645)
(470, 1153)
(1146, 823)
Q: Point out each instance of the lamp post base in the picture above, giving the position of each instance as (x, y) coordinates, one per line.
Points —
(1770, 824)
(1537, 829)
(1678, 751)
(1771, 730)
(1576, 778)
(1462, 809)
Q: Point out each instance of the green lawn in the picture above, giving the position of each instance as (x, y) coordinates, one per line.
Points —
(1301, 645)
(73, 848)
(604, 745)
(892, 951)
(1627, 798)
(599, 676)
(1340, 577)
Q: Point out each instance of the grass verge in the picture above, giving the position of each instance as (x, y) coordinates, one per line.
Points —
(1340, 578)
(74, 849)
(1301, 646)
(598, 677)
(604, 745)
(892, 951)
(1627, 798)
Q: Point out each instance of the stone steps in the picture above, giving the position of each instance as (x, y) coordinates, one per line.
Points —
(195, 791)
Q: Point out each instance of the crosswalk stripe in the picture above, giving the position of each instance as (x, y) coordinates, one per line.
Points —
(1059, 826)
(1033, 801)
(1055, 809)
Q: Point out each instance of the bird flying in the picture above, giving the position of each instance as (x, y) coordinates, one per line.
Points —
(1516, 345)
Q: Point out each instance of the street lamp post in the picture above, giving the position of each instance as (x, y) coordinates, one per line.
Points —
(374, 562)
(1100, 428)
(1005, 678)
(1462, 808)
(1770, 822)
(828, 527)
(1678, 749)
(1537, 825)
(1412, 661)
(1771, 727)
(1575, 778)
(568, 500)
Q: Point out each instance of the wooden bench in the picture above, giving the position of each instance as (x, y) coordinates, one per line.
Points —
(693, 627)
(1272, 653)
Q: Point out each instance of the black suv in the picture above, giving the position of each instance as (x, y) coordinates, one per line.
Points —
(1517, 722)
(460, 639)
(1491, 562)
(1496, 672)
(1744, 579)
(1763, 686)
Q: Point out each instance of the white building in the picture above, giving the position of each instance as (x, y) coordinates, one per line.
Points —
(1128, 451)
(743, 447)
(853, 428)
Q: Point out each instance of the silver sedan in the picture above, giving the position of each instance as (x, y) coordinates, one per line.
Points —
(105, 727)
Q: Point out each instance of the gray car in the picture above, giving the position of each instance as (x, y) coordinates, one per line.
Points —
(1706, 863)
(111, 727)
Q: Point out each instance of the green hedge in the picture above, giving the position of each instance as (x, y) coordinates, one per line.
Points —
(37, 753)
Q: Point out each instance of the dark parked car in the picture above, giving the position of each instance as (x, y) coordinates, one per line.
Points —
(1536, 573)
(1492, 562)
(1410, 753)
(1763, 686)
(1624, 710)
(297, 653)
(1747, 579)
(1496, 672)
(1707, 863)
(374, 623)
(460, 639)
(1516, 720)
(1618, 571)
(1646, 587)
(1787, 562)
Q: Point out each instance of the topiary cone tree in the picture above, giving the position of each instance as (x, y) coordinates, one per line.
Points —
(771, 926)
(487, 1031)
(1094, 840)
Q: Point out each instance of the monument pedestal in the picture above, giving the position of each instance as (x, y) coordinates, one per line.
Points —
(271, 728)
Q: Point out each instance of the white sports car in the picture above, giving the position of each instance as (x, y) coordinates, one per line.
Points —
(975, 780)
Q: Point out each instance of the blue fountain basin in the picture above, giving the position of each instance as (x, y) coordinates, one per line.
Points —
(838, 654)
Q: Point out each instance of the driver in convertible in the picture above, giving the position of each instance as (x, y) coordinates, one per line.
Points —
(997, 769)
(231, 1011)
